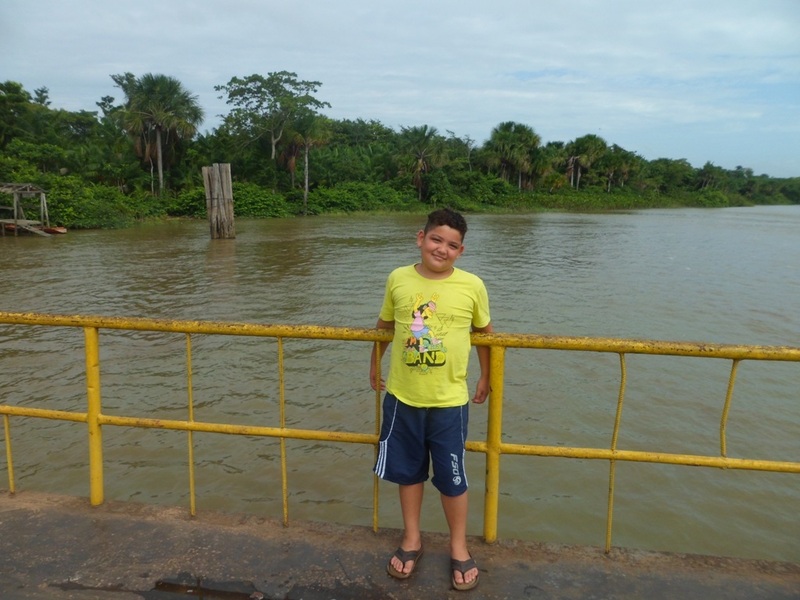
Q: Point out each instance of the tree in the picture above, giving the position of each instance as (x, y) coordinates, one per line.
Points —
(512, 147)
(616, 165)
(502, 149)
(265, 105)
(582, 153)
(711, 177)
(549, 164)
(744, 182)
(360, 133)
(311, 130)
(46, 157)
(460, 149)
(670, 175)
(421, 147)
(159, 111)
(290, 150)
(42, 96)
(631, 167)
(15, 106)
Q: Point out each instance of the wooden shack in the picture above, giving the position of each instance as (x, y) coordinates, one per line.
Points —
(13, 219)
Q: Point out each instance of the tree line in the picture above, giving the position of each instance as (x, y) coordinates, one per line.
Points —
(141, 156)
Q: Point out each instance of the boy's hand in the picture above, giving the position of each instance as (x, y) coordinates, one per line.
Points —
(483, 387)
(481, 392)
(375, 380)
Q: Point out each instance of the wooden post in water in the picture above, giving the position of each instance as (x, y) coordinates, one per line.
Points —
(219, 200)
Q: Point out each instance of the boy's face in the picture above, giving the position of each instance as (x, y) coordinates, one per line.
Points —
(439, 248)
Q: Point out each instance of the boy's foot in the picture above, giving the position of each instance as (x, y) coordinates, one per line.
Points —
(469, 573)
(403, 557)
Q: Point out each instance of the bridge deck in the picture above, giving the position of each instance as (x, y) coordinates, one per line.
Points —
(58, 548)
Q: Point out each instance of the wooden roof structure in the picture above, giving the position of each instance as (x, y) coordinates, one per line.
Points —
(24, 189)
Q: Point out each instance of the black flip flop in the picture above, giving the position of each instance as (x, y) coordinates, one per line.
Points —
(463, 566)
(404, 556)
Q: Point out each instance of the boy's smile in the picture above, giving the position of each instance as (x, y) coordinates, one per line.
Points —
(439, 249)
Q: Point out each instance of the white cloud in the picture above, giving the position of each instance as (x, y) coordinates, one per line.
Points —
(708, 81)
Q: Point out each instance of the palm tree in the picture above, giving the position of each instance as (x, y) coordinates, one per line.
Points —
(529, 165)
(628, 163)
(511, 147)
(502, 149)
(159, 111)
(422, 145)
(311, 130)
(582, 153)
(289, 153)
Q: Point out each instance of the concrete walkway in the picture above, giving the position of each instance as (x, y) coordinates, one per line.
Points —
(57, 548)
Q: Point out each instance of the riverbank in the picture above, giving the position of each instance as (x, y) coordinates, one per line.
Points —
(59, 548)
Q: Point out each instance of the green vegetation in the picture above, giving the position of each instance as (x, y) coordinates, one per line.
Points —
(142, 159)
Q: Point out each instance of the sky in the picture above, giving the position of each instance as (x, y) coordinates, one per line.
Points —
(703, 80)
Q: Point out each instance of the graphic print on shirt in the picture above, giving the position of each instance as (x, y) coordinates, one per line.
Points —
(424, 347)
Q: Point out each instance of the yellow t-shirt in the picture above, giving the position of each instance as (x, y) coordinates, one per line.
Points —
(433, 319)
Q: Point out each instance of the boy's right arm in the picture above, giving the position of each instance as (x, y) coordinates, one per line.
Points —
(378, 350)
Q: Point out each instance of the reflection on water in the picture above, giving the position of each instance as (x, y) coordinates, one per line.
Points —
(721, 276)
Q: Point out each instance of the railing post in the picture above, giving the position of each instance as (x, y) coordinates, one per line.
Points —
(190, 389)
(494, 437)
(9, 455)
(93, 415)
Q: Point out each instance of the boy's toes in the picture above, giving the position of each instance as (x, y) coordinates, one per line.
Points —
(465, 573)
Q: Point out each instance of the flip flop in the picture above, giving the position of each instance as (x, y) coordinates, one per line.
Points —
(404, 556)
(463, 566)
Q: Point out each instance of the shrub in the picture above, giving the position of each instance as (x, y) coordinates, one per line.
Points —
(75, 205)
(249, 200)
(353, 197)
(188, 203)
(711, 199)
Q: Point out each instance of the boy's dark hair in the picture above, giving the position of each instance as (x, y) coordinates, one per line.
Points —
(446, 216)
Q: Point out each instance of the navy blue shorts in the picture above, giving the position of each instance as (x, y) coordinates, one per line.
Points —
(412, 438)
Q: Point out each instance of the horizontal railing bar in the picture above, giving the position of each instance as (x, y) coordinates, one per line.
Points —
(201, 327)
(630, 346)
(508, 340)
(372, 439)
(691, 460)
(256, 430)
(42, 413)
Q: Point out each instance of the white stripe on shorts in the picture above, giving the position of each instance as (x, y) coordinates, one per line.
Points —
(380, 464)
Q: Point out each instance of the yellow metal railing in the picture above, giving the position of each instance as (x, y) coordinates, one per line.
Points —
(493, 447)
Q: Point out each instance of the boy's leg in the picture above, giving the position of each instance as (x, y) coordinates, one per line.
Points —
(455, 511)
(411, 507)
(447, 436)
(403, 457)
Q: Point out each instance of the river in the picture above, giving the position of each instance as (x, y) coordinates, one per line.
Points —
(719, 276)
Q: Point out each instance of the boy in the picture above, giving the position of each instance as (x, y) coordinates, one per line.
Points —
(432, 307)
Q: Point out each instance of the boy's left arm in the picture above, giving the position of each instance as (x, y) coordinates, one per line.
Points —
(482, 389)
